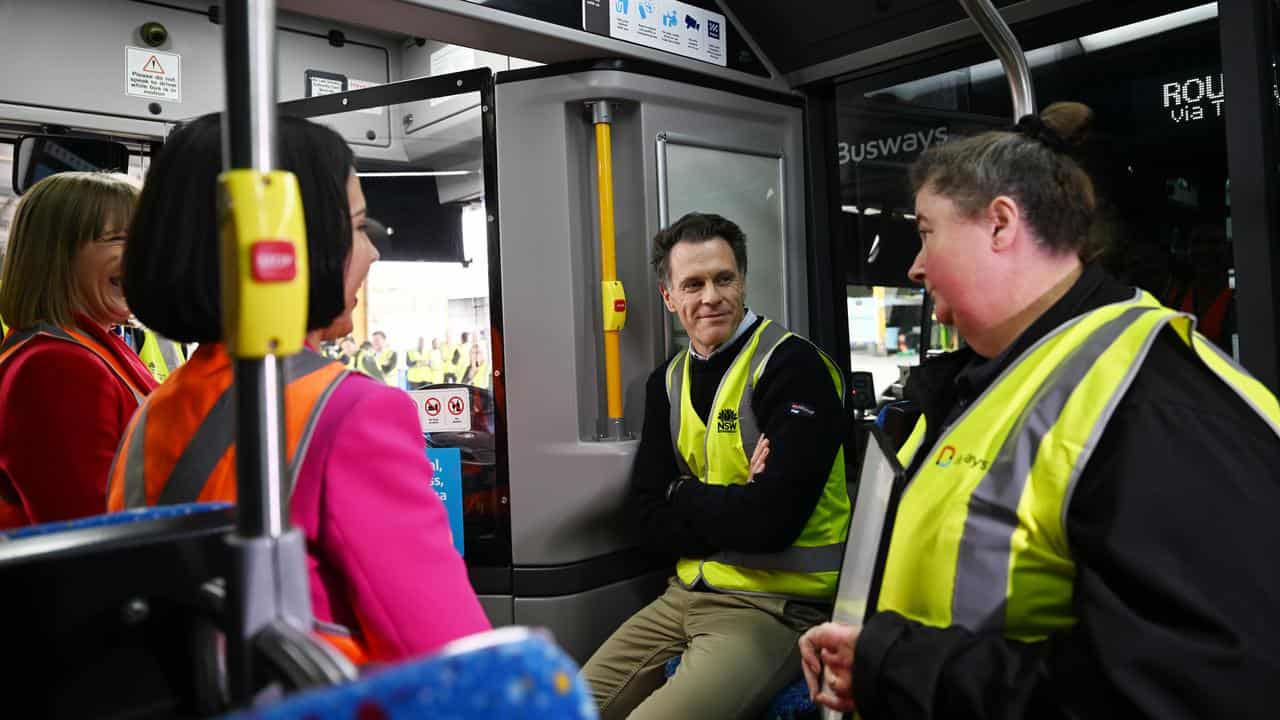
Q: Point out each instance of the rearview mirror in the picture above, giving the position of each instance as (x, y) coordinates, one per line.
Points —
(36, 157)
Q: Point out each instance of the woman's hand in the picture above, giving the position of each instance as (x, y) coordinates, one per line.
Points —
(826, 655)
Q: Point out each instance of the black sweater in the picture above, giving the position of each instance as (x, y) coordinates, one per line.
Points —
(766, 515)
(1173, 530)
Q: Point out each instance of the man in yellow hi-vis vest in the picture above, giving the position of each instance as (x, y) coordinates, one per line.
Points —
(1089, 529)
(384, 357)
(418, 361)
(739, 473)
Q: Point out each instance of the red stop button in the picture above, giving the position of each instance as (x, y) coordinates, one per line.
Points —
(620, 305)
(273, 261)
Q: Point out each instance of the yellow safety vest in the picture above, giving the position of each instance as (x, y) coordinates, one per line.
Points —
(480, 378)
(367, 363)
(721, 455)
(161, 356)
(454, 368)
(980, 538)
(419, 369)
(385, 357)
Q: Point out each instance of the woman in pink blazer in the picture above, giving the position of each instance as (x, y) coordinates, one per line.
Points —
(382, 563)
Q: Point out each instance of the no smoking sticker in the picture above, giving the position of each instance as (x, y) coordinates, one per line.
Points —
(152, 74)
(443, 409)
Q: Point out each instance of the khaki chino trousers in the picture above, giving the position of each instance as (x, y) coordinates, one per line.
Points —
(739, 652)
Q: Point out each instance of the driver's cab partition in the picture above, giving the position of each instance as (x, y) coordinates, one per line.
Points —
(678, 145)
(524, 463)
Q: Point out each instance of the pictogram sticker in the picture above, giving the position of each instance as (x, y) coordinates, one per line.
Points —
(152, 74)
(443, 409)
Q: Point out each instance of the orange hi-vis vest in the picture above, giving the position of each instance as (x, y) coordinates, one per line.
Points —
(12, 514)
(180, 446)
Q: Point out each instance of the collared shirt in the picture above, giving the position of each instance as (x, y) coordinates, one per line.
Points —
(747, 321)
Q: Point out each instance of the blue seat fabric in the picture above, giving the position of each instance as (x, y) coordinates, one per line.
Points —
(159, 512)
(527, 678)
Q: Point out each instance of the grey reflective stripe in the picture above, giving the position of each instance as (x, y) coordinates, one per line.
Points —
(1231, 362)
(675, 389)
(771, 336)
(17, 338)
(300, 453)
(214, 436)
(822, 558)
(53, 331)
(135, 484)
(982, 567)
(303, 364)
(168, 351)
(1112, 402)
(1053, 334)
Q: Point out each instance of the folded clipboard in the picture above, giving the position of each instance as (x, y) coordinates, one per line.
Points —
(881, 482)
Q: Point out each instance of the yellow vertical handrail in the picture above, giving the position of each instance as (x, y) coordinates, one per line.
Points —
(613, 298)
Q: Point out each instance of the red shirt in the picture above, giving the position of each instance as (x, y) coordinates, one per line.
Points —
(62, 413)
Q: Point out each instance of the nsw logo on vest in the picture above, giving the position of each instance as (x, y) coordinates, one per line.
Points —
(727, 421)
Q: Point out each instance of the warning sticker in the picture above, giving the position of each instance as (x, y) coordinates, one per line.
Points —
(443, 409)
(324, 85)
(152, 74)
(354, 84)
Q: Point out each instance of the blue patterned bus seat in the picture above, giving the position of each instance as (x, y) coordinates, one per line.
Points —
(159, 512)
(510, 673)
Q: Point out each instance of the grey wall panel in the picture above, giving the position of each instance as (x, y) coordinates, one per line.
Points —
(498, 608)
(20, 119)
(582, 622)
(567, 489)
(71, 54)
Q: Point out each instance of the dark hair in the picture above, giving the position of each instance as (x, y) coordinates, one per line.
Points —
(171, 276)
(697, 227)
(1031, 164)
(380, 334)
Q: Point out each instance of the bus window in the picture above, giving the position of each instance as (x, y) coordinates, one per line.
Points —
(8, 200)
(425, 321)
(1156, 150)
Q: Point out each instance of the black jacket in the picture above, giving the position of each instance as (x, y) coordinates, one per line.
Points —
(1174, 534)
(766, 515)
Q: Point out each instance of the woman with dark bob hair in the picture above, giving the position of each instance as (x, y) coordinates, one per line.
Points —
(380, 556)
(68, 385)
(1089, 530)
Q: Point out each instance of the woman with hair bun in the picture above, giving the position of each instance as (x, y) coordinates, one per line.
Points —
(1089, 528)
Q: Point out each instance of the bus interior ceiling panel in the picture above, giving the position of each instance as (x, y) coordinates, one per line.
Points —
(798, 35)
(90, 61)
(539, 31)
(567, 488)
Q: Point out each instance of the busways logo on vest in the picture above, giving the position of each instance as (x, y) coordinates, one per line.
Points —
(727, 421)
(948, 455)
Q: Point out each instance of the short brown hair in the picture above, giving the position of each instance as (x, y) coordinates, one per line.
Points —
(1053, 191)
(697, 227)
(56, 218)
